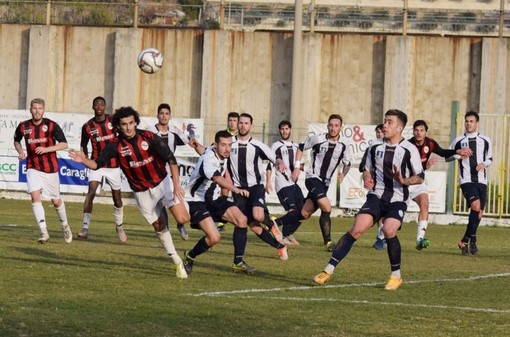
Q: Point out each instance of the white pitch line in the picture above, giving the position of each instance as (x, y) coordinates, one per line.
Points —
(428, 306)
(367, 284)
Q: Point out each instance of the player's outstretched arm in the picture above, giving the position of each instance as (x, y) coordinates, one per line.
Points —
(80, 157)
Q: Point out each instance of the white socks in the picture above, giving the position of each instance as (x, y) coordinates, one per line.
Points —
(380, 234)
(40, 216)
(421, 229)
(62, 215)
(118, 215)
(396, 273)
(166, 241)
(86, 220)
(330, 269)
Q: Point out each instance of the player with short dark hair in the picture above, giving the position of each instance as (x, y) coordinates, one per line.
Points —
(207, 204)
(43, 138)
(392, 166)
(244, 166)
(232, 120)
(142, 156)
(174, 137)
(473, 176)
(288, 191)
(99, 131)
(328, 150)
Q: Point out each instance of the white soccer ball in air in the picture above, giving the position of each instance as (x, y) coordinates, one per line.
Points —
(150, 60)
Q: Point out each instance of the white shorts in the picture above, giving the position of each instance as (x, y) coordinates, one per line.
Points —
(111, 175)
(169, 192)
(47, 182)
(150, 202)
(416, 190)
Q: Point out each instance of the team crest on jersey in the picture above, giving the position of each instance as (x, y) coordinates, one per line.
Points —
(379, 154)
(144, 145)
(45, 128)
(426, 149)
(125, 151)
(464, 145)
(234, 151)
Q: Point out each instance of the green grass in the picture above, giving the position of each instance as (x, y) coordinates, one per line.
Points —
(100, 287)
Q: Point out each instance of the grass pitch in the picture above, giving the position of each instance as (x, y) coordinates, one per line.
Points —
(101, 287)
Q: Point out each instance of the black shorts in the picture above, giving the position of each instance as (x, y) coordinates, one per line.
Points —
(257, 198)
(218, 207)
(291, 197)
(475, 191)
(383, 209)
(197, 212)
(317, 189)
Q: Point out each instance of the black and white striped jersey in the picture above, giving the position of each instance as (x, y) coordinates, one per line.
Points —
(285, 150)
(200, 186)
(245, 162)
(381, 159)
(482, 153)
(174, 136)
(325, 156)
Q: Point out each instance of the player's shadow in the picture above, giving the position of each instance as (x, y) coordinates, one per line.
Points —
(52, 258)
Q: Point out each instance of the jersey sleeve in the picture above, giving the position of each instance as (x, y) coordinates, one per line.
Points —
(108, 153)
(58, 134)
(445, 153)
(84, 140)
(160, 146)
(211, 166)
(310, 142)
(180, 137)
(363, 162)
(416, 166)
(17, 134)
(347, 158)
(488, 158)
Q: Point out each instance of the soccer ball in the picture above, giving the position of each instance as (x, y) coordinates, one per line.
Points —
(150, 60)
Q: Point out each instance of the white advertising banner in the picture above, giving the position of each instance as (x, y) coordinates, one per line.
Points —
(353, 194)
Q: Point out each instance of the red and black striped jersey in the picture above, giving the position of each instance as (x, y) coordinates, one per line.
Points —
(99, 134)
(47, 133)
(142, 158)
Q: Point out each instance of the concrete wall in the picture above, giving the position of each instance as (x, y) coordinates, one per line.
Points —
(209, 73)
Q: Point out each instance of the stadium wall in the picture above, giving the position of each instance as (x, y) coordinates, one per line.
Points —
(208, 73)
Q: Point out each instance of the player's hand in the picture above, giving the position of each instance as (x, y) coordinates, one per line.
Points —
(269, 188)
(397, 176)
(40, 150)
(22, 155)
(295, 174)
(178, 193)
(465, 152)
(480, 167)
(281, 167)
(368, 183)
(76, 156)
(193, 142)
(431, 162)
(244, 193)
